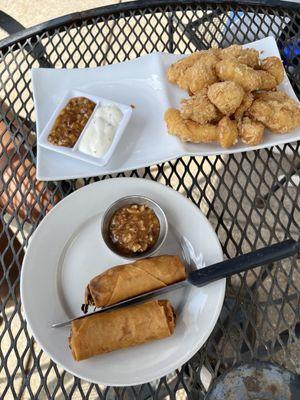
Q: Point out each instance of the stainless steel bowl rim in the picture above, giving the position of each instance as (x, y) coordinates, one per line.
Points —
(138, 199)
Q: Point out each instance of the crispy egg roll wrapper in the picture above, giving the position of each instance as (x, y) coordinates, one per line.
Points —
(125, 281)
(121, 328)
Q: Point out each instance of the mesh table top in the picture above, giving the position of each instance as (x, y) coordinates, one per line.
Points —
(251, 199)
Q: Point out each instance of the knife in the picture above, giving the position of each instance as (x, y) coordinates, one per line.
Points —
(212, 273)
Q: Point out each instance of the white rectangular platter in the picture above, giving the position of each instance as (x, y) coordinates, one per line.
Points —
(142, 84)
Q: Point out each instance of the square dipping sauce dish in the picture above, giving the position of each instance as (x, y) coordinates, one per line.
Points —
(74, 151)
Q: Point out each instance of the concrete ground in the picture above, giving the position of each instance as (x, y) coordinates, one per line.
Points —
(22, 10)
(29, 13)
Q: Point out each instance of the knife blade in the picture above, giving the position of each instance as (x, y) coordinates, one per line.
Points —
(128, 302)
(212, 273)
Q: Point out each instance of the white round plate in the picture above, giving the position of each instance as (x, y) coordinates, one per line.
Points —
(67, 250)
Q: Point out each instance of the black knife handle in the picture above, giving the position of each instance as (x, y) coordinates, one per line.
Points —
(242, 263)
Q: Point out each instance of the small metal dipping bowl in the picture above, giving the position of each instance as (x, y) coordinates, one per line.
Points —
(134, 199)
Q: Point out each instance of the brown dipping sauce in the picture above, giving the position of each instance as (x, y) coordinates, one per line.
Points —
(70, 122)
(134, 228)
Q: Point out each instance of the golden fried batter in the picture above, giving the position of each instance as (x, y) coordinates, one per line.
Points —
(251, 132)
(246, 103)
(202, 73)
(176, 70)
(273, 65)
(249, 57)
(226, 96)
(268, 82)
(231, 88)
(228, 132)
(232, 70)
(192, 67)
(278, 112)
(189, 131)
(198, 108)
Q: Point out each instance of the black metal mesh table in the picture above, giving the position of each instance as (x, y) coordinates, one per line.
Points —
(252, 199)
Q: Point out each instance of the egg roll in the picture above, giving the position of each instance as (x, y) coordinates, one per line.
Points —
(129, 326)
(125, 281)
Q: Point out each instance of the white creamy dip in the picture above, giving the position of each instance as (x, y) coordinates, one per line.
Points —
(99, 134)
